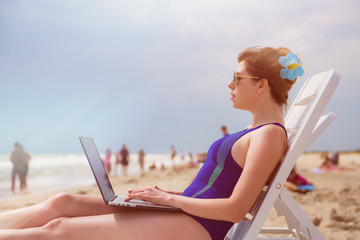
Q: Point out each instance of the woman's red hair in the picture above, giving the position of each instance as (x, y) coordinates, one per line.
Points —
(263, 62)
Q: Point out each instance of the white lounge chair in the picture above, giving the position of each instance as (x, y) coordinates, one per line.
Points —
(304, 124)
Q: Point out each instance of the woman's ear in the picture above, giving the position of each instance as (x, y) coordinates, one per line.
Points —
(263, 84)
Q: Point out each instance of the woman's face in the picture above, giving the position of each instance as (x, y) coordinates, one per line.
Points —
(243, 94)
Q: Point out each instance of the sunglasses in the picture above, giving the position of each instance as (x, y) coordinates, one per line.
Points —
(236, 75)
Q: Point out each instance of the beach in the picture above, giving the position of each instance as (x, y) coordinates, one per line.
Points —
(333, 206)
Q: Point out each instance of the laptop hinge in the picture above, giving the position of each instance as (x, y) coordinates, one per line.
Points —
(112, 199)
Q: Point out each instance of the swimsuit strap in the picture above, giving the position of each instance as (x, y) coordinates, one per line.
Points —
(274, 123)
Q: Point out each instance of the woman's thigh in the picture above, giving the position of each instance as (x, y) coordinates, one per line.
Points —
(136, 224)
(74, 205)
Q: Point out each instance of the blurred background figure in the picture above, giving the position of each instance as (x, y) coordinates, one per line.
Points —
(107, 162)
(297, 183)
(20, 160)
(332, 163)
(124, 155)
(141, 154)
(201, 157)
(335, 158)
(327, 164)
(191, 157)
(224, 130)
(173, 153)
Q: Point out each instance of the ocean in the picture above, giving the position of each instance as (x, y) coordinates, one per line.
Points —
(49, 173)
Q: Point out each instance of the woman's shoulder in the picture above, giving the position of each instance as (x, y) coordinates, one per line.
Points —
(271, 134)
(273, 128)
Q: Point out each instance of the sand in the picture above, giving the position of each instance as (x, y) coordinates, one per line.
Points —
(334, 205)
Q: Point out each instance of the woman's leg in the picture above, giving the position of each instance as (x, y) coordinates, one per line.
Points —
(60, 205)
(134, 224)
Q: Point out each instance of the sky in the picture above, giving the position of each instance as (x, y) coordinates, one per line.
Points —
(154, 73)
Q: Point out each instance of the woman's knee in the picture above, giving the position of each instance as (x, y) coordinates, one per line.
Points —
(56, 228)
(62, 198)
(59, 202)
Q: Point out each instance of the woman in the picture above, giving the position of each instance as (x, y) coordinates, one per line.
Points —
(236, 169)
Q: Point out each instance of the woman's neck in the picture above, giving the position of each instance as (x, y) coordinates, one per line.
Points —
(270, 113)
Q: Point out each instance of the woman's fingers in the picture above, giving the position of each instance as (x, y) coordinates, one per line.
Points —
(141, 192)
(127, 199)
(152, 194)
(156, 187)
(138, 189)
(148, 194)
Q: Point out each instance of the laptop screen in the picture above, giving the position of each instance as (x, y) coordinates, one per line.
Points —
(97, 168)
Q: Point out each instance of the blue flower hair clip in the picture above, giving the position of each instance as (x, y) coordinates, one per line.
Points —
(292, 67)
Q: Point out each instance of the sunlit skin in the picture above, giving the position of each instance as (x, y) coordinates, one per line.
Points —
(68, 216)
(243, 94)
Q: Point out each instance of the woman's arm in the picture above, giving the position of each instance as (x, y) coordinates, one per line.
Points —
(171, 192)
(266, 147)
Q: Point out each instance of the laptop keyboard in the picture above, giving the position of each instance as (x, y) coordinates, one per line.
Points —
(121, 199)
(139, 201)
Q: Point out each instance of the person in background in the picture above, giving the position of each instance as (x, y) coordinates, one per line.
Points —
(20, 160)
(141, 154)
(224, 130)
(334, 158)
(331, 165)
(173, 153)
(191, 157)
(327, 164)
(297, 183)
(124, 155)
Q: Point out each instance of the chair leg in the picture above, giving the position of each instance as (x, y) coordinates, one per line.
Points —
(296, 218)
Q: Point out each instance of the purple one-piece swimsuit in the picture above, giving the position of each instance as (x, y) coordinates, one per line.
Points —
(217, 179)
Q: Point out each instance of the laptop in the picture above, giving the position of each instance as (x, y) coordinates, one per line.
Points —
(105, 186)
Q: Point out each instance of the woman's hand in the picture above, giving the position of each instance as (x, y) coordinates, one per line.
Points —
(151, 194)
